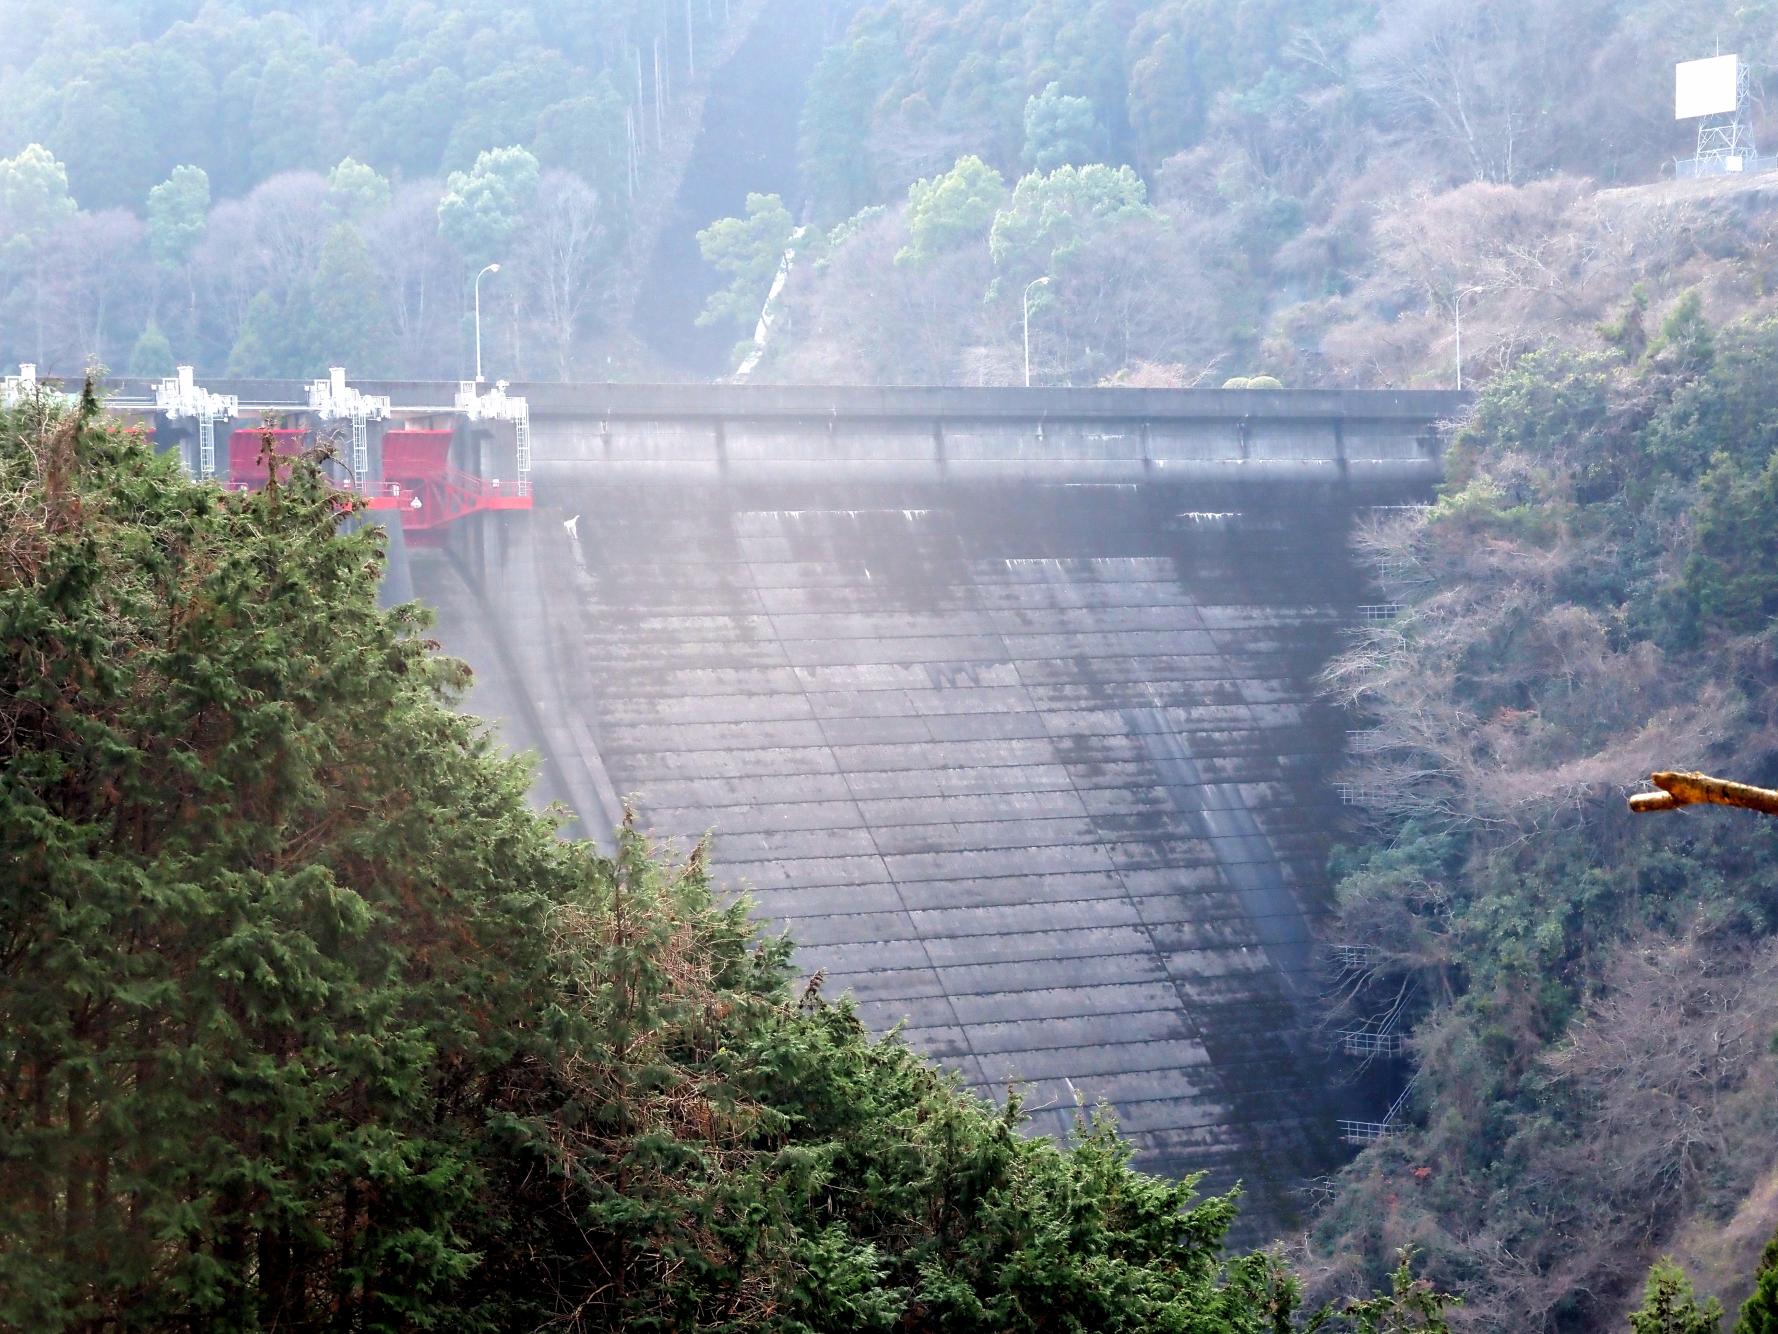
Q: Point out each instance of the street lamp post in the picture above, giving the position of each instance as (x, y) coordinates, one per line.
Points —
(492, 268)
(1035, 282)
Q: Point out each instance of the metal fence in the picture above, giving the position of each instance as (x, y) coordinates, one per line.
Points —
(1364, 1042)
(1366, 1132)
(1691, 168)
(1355, 956)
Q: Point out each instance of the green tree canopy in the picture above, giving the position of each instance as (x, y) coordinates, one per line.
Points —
(292, 121)
(348, 311)
(1060, 130)
(356, 191)
(835, 131)
(266, 344)
(152, 356)
(503, 105)
(178, 209)
(1411, 1306)
(1759, 1313)
(952, 210)
(33, 194)
(584, 134)
(106, 137)
(749, 250)
(1669, 1306)
(406, 126)
(234, 991)
(484, 207)
(1052, 215)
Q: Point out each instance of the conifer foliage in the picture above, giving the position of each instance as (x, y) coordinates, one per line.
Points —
(307, 1021)
(270, 910)
(1759, 1313)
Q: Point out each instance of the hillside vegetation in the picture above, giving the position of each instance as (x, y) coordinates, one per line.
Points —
(304, 1018)
(1315, 191)
(269, 189)
(1593, 994)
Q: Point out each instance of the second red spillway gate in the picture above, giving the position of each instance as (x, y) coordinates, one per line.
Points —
(428, 491)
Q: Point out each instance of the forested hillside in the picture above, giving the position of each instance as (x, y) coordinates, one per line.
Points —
(1310, 191)
(261, 189)
(1593, 994)
(1314, 191)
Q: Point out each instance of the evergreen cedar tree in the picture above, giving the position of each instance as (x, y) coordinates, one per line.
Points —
(1759, 1313)
(1669, 1305)
(306, 1020)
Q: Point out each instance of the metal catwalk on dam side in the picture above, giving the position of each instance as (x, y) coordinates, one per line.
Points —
(1036, 770)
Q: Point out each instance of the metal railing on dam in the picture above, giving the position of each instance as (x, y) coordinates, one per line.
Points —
(1003, 704)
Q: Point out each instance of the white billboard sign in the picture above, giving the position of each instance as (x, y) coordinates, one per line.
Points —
(1706, 87)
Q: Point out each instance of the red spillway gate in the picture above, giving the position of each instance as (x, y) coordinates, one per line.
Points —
(418, 479)
(429, 492)
(246, 453)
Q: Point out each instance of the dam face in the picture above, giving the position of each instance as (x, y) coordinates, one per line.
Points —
(1036, 771)
(1000, 701)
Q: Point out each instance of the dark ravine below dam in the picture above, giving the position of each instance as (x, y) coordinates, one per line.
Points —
(1037, 770)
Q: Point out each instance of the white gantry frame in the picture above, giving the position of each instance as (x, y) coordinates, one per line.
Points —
(498, 405)
(179, 396)
(333, 399)
(25, 388)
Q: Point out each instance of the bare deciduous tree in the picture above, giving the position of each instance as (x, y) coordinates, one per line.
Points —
(559, 258)
(1495, 701)
(96, 281)
(268, 242)
(425, 279)
(1671, 1059)
(1476, 80)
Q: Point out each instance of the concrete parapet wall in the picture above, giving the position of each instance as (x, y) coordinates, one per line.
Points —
(952, 403)
(766, 434)
(779, 433)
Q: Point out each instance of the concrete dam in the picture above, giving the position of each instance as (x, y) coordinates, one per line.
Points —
(1002, 702)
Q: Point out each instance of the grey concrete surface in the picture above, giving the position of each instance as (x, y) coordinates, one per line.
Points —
(1036, 771)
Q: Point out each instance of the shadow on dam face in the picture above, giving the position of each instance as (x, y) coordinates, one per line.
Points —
(1036, 770)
